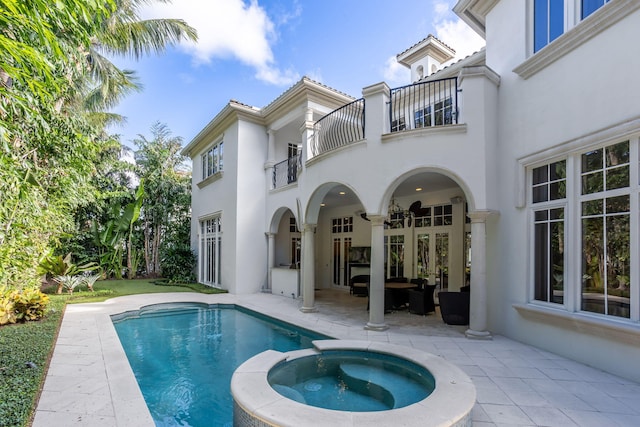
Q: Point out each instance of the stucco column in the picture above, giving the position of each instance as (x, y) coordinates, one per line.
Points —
(478, 309)
(271, 251)
(270, 163)
(307, 135)
(376, 279)
(308, 268)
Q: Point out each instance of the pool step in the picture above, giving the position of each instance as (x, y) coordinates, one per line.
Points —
(392, 389)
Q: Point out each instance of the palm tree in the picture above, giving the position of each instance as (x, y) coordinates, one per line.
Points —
(124, 34)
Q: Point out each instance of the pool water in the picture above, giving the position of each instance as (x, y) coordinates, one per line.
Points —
(349, 380)
(183, 357)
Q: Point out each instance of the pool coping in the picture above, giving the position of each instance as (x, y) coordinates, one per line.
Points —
(256, 403)
(90, 381)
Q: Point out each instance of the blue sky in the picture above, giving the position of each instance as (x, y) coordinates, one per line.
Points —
(253, 50)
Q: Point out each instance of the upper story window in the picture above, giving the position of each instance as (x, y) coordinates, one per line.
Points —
(292, 150)
(212, 160)
(590, 6)
(548, 22)
(551, 18)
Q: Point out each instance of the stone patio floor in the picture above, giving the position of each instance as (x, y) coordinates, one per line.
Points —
(90, 382)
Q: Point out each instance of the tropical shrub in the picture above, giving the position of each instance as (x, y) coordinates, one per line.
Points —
(21, 305)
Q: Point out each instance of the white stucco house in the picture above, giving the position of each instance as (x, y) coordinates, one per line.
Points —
(515, 170)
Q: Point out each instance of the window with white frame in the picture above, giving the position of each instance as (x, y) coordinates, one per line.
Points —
(552, 18)
(212, 160)
(548, 194)
(437, 114)
(209, 255)
(583, 252)
(398, 125)
(548, 22)
(342, 225)
(605, 213)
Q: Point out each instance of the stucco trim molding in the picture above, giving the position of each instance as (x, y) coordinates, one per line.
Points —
(590, 27)
(609, 329)
(208, 180)
(479, 71)
(626, 129)
(335, 152)
(430, 130)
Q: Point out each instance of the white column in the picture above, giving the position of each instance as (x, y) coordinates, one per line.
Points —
(271, 251)
(308, 268)
(376, 280)
(478, 309)
(271, 147)
(268, 165)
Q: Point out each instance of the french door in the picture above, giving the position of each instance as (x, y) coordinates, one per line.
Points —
(340, 261)
(432, 257)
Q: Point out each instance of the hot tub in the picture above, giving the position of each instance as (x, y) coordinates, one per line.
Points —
(351, 383)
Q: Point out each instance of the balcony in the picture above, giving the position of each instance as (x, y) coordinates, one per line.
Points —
(422, 105)
(286, 171)
(339, 128)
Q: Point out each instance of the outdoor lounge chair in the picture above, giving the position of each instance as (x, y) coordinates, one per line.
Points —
(454, 307)
(421, 301)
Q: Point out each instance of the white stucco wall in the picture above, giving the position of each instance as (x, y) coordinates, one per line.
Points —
(587, 90)
(250, 252)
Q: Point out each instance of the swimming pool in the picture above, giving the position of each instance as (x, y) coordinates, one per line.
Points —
(183, 356)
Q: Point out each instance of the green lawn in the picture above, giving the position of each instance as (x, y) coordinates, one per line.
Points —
(25, 348)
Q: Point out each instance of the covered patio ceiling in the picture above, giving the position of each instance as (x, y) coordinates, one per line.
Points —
(428, 181)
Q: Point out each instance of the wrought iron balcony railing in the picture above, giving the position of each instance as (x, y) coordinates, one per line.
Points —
(421, 105)
(339, 128)
(286, 171)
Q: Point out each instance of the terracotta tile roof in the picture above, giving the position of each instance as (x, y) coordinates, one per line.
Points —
(423, 40)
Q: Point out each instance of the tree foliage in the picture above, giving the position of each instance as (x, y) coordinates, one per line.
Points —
(168, 199)
(52, 141)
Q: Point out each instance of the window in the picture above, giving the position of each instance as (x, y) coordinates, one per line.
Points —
(342, 225)
(548, 186)
(583, 252)
(423, 219)
(398, 125)
(442, 215)
(605, 214)
(548, 22)
(549, 255)
(422, 117)
(292, 150)
(209, 255)
(293, 226)
(549, 182)
(394, 255)
(212, 160)
(296, 251)
(590, 6)
(552, 18)
(443, 112)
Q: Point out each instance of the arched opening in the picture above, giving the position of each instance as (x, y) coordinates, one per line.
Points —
(341, 230)
(284, 254)
(427, 234)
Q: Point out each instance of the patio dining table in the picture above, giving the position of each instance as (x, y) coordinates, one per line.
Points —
(398, 294)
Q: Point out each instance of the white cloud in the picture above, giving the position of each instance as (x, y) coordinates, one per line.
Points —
(229, 29)
(394, 73)
(453, 31)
